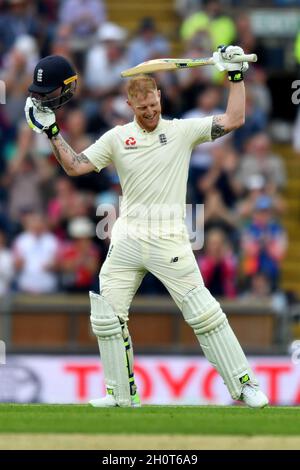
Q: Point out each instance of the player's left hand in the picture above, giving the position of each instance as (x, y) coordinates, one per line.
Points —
(224, 59)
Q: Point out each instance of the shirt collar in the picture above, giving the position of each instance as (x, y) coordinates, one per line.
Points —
(158, 127)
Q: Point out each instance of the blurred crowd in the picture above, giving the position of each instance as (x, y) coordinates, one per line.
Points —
(48, 220)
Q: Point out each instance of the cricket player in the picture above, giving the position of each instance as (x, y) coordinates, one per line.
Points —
(151, 156)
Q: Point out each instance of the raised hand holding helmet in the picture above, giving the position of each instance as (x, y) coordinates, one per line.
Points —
(41, 120)
(54, 84)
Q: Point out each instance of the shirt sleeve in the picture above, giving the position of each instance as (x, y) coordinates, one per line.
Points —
(197, 130)
(100, 153)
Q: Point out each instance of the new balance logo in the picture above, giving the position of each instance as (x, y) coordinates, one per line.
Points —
(162, 139)
(244, 379)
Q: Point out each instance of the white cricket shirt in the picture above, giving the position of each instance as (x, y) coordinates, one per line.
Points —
(152, 166)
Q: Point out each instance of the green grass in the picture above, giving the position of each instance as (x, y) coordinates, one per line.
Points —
(197, 420)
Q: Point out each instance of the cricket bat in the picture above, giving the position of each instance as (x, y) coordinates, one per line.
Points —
(159, 65)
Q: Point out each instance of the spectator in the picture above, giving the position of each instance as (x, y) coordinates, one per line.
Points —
(261, 290)
(148, 44)
(6, 266)
(264, 243)
(25, 180)
(218, 190)
(35, 253)
(220, 27)
(172, 101)
(255, 123)
(208, 103)
(79, 258)
(107, 113)
(61, 44)
(76, 130)
(18, 66)
(259, 159)
(106, 60)
(36, 147)
(30, 173)
(222, 176)
(217, 215)
(261, 95)
(194, 81)
(256, 186)
(66, 204)
(247, 39)
(79, 19)
(17, 20)
(185, 8)
(218, 265)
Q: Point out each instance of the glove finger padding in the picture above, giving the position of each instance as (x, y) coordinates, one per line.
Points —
(230, 52)
(218, 61)
(244, 67)
(38, 120)
(30, 117)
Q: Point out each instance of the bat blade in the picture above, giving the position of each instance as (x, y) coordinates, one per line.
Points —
(160, 65)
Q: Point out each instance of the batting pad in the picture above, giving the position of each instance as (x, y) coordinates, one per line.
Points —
(219, 343)
(107, 328)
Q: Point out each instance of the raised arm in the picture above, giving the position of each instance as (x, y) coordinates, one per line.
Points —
(44, 120)
(234, 116)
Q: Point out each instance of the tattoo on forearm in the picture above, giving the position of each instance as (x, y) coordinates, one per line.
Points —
(56, 151)
(81, 158)
(65, 155)
(217, 129)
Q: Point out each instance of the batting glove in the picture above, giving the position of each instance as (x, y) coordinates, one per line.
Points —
(224, 60)
(41, 120)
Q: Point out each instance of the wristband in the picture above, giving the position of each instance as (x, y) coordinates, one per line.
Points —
(235, 76)
(52, 131)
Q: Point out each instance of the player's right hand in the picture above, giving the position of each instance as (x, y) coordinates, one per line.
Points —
(38, 120)
(224, 59)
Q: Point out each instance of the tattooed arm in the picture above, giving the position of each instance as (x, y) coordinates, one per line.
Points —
(234, 116)
(73, 163)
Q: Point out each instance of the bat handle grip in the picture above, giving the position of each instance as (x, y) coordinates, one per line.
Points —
(244, 58)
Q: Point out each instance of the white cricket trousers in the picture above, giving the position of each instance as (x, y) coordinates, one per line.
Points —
(134, 251)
